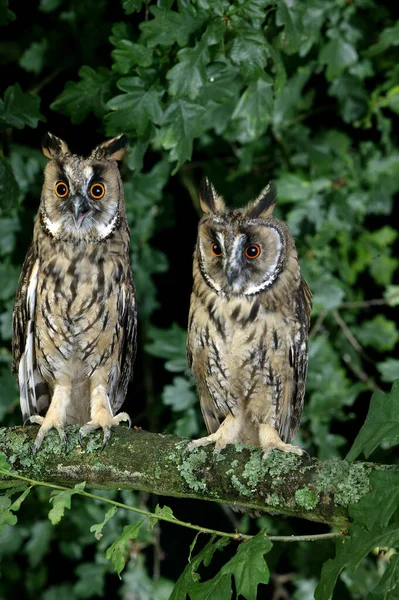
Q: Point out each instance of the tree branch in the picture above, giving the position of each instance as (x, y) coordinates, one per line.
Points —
(156, 463)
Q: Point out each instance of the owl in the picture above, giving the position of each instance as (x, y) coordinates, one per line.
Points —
(74, 320)
(248, 325)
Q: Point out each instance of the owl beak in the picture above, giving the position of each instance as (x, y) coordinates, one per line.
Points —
(80, 210)
(231, 276)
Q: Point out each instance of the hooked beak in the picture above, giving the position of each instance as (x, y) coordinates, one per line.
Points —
(80, 210)
(231, 276)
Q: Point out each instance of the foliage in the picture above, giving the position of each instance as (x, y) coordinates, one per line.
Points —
(304, 93)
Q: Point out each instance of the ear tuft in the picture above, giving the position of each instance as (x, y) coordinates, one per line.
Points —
(209, 199)
(264, 204)
(114, 148)
(53, 147)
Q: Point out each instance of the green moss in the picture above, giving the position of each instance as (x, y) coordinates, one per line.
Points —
(273, 499)
(280, 463)
(240, 487)
(306, 498)
(254, 469)
(188, 469)
(348, 481)
(158, 472)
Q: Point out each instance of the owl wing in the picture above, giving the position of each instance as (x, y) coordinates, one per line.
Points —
(32, 387)
(298, 361)
(127, 354)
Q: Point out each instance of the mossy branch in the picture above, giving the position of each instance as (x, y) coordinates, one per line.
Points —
(138, 460)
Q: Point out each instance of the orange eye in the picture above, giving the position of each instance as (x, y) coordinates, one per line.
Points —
(252, 251)
(97, 191)
(216, 249)
(61, 189)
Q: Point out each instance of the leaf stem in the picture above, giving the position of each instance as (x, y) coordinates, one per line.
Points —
(235, 536)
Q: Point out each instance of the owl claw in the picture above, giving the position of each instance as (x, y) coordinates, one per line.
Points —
(106, 427)
(33, 420)
(107, 435)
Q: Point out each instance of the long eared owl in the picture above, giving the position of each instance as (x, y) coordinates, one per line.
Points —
(248, 325)
(74, 322)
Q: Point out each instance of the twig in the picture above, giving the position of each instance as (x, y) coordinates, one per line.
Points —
(235, 536)
(360, 374)
(317, 326)
(347, 332)
(365, 303)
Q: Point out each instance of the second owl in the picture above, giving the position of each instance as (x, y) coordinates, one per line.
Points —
(248, 325)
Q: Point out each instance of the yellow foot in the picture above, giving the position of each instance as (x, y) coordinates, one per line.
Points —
(270, 440)
(46, 423)
(227, 433)
(105, 423)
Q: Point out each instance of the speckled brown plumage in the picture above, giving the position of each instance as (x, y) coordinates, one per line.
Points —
(74, 325)
(248, 325)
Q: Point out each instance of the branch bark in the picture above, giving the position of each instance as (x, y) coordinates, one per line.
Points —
(283, 483)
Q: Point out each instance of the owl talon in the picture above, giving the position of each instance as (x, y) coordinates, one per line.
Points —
(107, 435)
(34, 420)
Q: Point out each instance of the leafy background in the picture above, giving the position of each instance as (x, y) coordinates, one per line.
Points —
(303, 93)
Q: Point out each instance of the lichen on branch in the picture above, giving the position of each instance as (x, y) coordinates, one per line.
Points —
(139, 460)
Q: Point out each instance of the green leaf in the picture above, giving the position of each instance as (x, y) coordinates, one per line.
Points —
(9, 189)
(19, 109)
(135, 109)
(181, 125)
(254, 107)
(179, 396)
(327, 292)
(379, 333)
(250, 52)
(219, 587)
(389, 582)
(129, 55)
(389, 369)
(248, 565)
(371, 529)
(33, 58)
(97, 529)
(382, 423)
(168, 27)
(117, 551)
(61, 501)
(288, 15)
(189, 578)
(391, 295)
(131, 6)
(388, 37)
(4, 463)
(169, 344)
(39, 542)
(91, 580)
(163, 511)
(6, 15)
(188, 76)
(338, 55)
(90, 94)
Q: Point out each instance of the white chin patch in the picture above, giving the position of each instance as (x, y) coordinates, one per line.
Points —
(105, 230)
(53, 227)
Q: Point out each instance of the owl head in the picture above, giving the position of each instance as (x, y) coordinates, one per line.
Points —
(241, 252)
(82, 198)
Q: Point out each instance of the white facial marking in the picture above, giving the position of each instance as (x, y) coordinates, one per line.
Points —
(105, 230)
(271, 274)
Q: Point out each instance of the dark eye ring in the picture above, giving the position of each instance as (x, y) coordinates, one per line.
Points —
(61, 189)
(216, 249)
(252, 251)
(97, 191)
